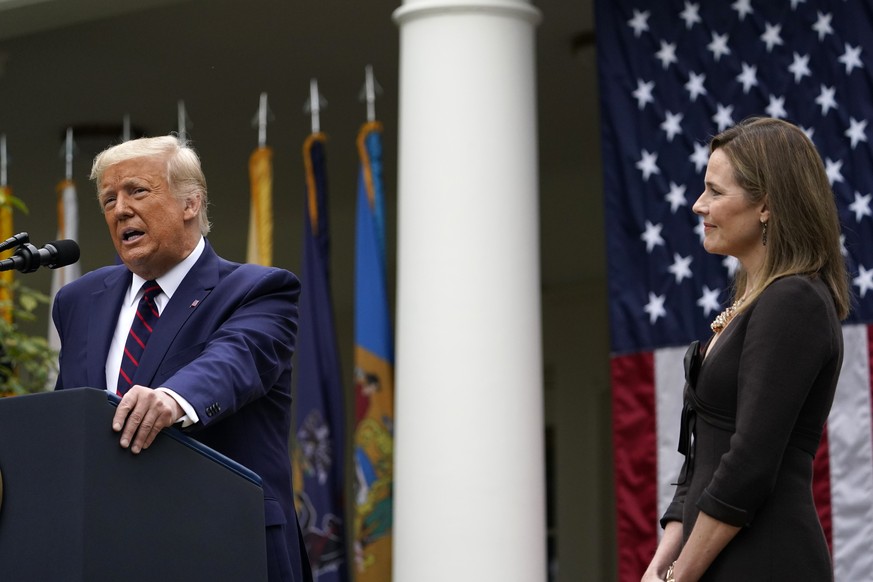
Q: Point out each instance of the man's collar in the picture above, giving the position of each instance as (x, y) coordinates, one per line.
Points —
(170, 280)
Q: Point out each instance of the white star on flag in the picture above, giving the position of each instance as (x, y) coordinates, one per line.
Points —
(772, 36)
(864, 280)
(800, 67)
(655, 307)
(723, 117)
(640, 22)
(681, 267)
(643, 93)
(691, 14)
(676, 197)
(652, 236)
(718, 46)
(731, 264)
(823, 25)
(709, 300)
(861, 206)
(743, 8)
(833, 168)
(748, 78)
(851, 58)
(671, 125)
(856, 131)
(776, 107)
(826, 99)
(648, 164)
(694, 86)
(667, 54)
(700, 157)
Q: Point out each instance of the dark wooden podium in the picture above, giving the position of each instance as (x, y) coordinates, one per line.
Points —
(77, 507)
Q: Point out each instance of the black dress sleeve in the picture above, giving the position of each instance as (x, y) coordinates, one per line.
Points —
(789, 339)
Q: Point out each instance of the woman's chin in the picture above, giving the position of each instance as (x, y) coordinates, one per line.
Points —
(711, 247)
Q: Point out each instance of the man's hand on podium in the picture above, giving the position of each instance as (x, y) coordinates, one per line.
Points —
(142, 413)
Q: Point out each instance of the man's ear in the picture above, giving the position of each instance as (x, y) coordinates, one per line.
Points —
(192, 205)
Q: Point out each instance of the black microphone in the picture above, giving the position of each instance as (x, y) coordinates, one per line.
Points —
(28, 258)
(14, 241)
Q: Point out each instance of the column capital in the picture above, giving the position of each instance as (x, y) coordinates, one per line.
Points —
(413, 9)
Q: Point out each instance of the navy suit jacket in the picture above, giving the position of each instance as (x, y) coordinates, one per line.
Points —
(224, 343)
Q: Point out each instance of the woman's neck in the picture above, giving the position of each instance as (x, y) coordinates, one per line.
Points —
(752, 266)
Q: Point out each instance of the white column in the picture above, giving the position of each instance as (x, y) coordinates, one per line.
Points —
(469, 468)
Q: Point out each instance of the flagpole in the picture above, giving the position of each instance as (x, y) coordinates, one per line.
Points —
(369, 92)
(68, 154)
(182, 118)
(313, 105)
(3, 160)
(125, 128)
(369, 87)
(262, 121)
(260, 242)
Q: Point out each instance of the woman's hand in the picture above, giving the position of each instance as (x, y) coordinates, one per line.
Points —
(668, 550)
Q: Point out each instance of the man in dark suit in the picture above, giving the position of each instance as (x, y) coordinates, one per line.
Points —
(217, 359)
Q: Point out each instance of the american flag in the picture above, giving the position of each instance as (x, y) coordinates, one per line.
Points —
(672, 75)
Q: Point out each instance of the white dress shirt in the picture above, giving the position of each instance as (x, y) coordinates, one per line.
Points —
(168, 282)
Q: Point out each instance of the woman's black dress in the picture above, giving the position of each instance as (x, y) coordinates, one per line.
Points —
(756, 410)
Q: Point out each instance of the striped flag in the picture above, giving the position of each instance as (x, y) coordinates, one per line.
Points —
(320, 415)
(260, 243)
(672, 74)
(374, 371)
(68, 228)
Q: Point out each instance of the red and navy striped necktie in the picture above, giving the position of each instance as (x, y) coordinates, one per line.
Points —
(140, 330)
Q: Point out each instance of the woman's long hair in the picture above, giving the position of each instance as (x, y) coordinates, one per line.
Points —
(777, 164)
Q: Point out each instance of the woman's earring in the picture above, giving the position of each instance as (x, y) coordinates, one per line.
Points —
(764, 233)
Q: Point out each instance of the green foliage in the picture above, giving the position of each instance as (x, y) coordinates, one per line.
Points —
(11, 201)
(26, 361)
(29, 361)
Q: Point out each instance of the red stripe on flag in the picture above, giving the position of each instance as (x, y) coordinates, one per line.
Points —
(821, 487)
(635, 457)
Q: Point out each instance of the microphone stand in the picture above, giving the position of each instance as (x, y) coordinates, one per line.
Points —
(15, 241)
(31, 258)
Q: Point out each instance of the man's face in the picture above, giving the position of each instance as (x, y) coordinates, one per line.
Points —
(151, 229)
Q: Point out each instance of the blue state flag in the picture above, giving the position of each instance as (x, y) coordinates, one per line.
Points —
(318, 447)
(374, 371)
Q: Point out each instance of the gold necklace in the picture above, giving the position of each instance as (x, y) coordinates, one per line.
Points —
(723, 318)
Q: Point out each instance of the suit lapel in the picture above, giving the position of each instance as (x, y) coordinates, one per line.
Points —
(195, 287)
(102, 322)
